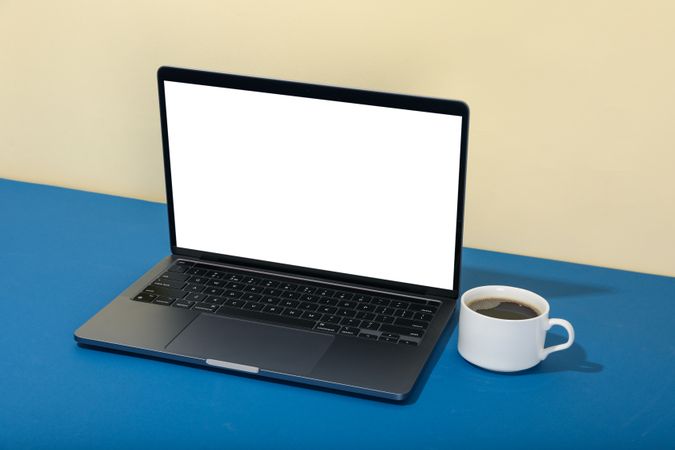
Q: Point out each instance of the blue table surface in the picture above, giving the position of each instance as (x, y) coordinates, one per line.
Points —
(65, 254)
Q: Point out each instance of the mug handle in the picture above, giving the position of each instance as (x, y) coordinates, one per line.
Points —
(570, 337)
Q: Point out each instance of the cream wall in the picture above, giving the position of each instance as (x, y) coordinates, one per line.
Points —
(572, 144)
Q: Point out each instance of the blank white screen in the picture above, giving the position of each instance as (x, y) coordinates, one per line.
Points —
(349, 188)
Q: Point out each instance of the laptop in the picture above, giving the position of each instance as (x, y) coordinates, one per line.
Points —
(316, 233)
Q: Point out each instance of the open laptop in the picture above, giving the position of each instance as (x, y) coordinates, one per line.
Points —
(316, 233)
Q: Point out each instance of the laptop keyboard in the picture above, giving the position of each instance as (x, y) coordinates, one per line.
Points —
(246, 295)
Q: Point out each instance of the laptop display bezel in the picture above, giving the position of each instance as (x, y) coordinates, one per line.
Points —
(342, 94)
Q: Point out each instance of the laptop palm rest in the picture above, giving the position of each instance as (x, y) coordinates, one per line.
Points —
(233, 343)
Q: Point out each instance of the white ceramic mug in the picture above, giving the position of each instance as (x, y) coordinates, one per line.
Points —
(506, 345)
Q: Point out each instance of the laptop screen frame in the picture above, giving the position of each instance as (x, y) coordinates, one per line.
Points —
(341, 94)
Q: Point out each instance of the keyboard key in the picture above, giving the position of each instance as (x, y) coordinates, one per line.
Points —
(365, 315)
(388, 339)
(196, 271)
(343, 295)
(306, 290)
(384, 310)
(346, 312)
(324, 292)
(288, 286)
(411, 323)
(205, 307)
(350, 322)
(327, 309)
(178, 269)
(399, 305)
(311, 315)
(253, 288)
(272, 292)
(325, 326)
(199, 280)
(349, 331)
(407, 342)
(308, 306)
(384, 319)
(165, 292)
(253, 306)
(251, 280)
(309, 298)
(404, 313)
(292, 312)
(370, 325)
(361, 298)
(213, 291)
(251, 297)
(270, 300)
(379, 301)
(145, 297)
(163, 301)
(216, 283)
(174, 276)
(418, 301)
(289, 303)
(196, 297)
(424, 317)
(269, 283)
(272, 309)
(260, 315)
(232, 294)
(368, 336)
(183, 304)
(235, 286)
(365, 307)
(391, 335)
(345, 304)
(331, 319)
(173, 284)
(403, 331)
(215, 299)
(291, 295)
(328, 301)
(214, 275)
(234, 303)
(427, 309)
(194, 287)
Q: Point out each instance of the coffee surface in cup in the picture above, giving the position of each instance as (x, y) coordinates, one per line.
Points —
(503, 308)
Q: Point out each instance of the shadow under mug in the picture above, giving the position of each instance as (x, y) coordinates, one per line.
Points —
(506, 345)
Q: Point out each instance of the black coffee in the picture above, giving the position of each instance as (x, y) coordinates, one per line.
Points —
(503, 308)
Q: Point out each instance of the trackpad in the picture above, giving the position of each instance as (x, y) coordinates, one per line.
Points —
(267, 347)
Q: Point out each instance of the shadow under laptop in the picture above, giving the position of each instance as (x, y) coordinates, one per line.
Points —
(432, 361)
